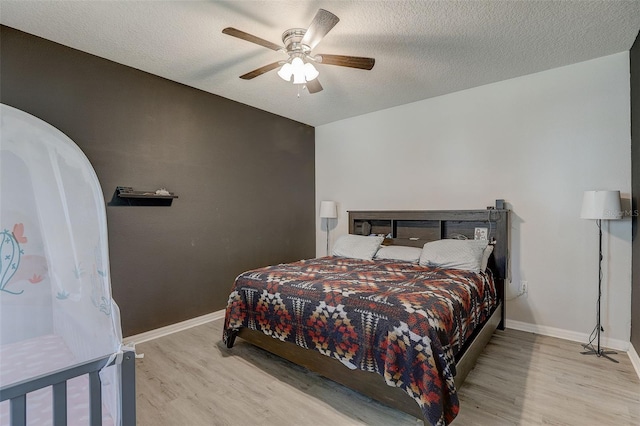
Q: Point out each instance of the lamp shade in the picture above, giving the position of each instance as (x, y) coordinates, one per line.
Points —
(328, 209)
(601, 205)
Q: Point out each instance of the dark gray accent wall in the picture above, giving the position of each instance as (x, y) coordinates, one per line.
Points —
(244, 177)
(634, 55)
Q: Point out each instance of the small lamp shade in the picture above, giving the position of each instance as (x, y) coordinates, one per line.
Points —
(310, 72)
(601, 205)
(328, 209)
(286, 72)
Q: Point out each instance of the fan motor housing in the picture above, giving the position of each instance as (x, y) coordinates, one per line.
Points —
(292, 39)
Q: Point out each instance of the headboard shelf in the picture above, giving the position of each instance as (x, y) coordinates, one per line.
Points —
(417, 232)
(417, 227)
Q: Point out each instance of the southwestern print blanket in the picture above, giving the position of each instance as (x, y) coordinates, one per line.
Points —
(401, 320)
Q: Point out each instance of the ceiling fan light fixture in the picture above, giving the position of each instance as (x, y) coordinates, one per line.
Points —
(298, 46)
(297, 69)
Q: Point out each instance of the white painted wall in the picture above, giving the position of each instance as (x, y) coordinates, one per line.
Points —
(537, 141)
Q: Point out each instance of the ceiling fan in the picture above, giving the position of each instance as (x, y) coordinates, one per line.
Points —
(298, 44)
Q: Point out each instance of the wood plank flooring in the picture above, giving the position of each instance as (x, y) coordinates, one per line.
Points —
(190, 379)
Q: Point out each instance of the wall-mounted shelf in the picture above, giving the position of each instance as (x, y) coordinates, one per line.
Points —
(126, 196)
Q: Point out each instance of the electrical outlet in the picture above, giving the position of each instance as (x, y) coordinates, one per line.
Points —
(524, 287)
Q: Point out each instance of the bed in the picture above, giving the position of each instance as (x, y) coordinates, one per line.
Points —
(62, 361)
(419, 325)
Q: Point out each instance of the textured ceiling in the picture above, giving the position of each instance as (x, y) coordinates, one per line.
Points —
(422, 48)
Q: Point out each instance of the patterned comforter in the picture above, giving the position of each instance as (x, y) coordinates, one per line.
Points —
(401, 320)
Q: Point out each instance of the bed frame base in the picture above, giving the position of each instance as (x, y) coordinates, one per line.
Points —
(366, 383)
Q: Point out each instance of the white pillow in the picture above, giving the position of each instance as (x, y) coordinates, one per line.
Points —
(454, 254)
(485, 257)
(357, 246)
(402, 253)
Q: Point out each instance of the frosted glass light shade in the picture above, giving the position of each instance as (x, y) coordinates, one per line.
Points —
(285, 72)
(601, 205)
(328, 209)
(310, 72)
(297, 66)
(298, 78)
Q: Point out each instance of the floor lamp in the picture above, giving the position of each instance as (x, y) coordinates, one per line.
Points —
(328, 210)
(600, 205)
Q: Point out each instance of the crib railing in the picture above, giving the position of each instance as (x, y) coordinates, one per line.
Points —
(17, 392)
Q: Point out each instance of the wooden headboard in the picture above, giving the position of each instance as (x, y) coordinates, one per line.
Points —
(417, 227)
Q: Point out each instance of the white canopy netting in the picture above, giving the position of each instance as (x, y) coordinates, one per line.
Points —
(56, 309)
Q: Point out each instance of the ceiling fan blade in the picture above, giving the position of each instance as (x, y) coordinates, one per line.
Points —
(251, 38)
(346, 61)
(314, 86)
(320, 26)
(257, 72)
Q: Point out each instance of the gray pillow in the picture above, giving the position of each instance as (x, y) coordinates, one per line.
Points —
(454, 254)
(357, 246)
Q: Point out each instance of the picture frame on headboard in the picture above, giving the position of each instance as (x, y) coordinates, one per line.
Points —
(481, 234)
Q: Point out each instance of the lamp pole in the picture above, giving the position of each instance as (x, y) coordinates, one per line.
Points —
(600, 205)
(590, 350)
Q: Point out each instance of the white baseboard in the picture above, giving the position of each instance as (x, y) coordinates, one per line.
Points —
(616, 344)
(635, 359)
(173, 328)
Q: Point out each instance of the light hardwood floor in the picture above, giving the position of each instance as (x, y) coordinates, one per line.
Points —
(190, 378)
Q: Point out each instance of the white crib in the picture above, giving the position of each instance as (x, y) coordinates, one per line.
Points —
(61, 356)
